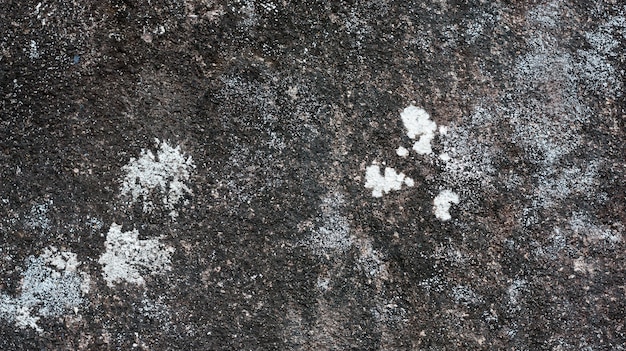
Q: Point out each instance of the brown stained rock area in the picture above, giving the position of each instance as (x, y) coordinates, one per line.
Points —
(278, 245)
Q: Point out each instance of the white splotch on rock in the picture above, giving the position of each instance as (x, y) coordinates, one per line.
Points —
(417, 123)
(166, 173)
(51, 286)
(126, 256)
(379, 183)
(442, 204)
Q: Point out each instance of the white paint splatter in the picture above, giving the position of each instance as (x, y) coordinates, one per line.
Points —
(442, 204)
(51, 287)
(166, 173)
(126, 256)
(380, 183)
(417, 122)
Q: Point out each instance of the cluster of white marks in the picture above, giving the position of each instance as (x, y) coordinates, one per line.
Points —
(333, 235)
(38, 218)
(580, 265)
(417, 122)
(379, 183)
(443, 202)
(126, 255)
(465, 295)
(515, 290)
(51, 286)
(157, 310)
(594, 233)
(33, 50)
(323, 283)
(371, 261)
(166, 172)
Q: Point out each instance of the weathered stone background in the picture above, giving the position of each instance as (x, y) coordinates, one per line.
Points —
(273, 110)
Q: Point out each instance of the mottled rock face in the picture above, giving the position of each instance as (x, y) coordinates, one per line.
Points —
(330, 175)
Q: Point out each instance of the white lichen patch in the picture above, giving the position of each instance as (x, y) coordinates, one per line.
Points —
(557, 184)
(546, 112)
(442, 203)
(166, 173)
(557, 241)
(38, 218)
(596, 65)
(452, 255)
(33, 50)
(580, 265)
(127, 257)
(370, 261)
(402, 151)
(51, 286)
(434, 284)
(418, 124)
(384, 183)
(323, 283)
(157, 310)
(61, 260)
(468, 150)
(333, 234)
(515, 291)
(581, 224)
(465, 295)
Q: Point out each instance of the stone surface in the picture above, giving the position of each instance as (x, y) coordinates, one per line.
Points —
(227, 142)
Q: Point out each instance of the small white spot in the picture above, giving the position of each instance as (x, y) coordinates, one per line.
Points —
(34, 53)
(443, 130)
(160, 30)
(323, 283)
(442, 204)
(581, 266)
(417, 122)
(293, 92)
(444, 157)
(379, 183)
(402, 151)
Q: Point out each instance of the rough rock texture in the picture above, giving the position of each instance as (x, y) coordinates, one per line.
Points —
(229, 140)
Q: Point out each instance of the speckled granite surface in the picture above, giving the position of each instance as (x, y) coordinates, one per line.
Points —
(313, 175)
